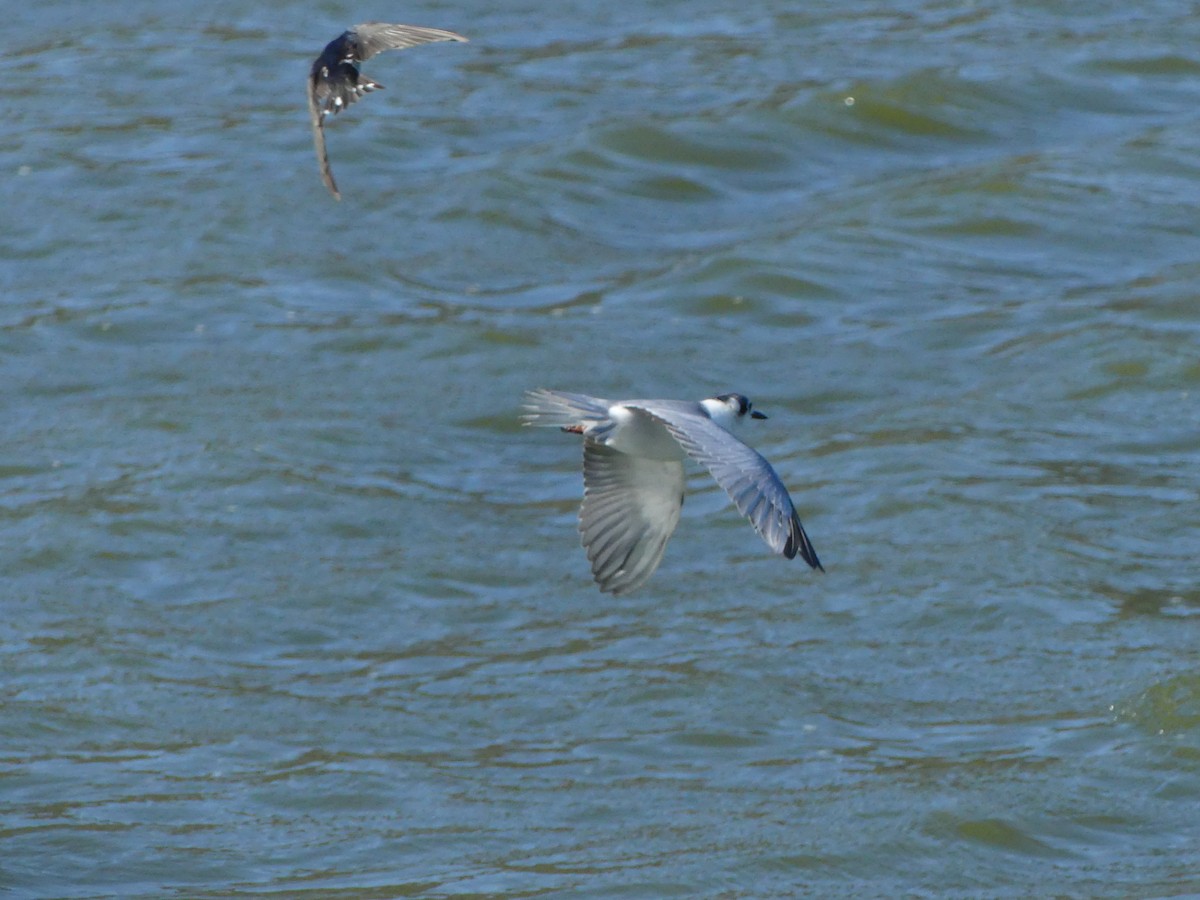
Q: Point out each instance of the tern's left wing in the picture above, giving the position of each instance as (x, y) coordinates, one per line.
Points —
(746, 476)
(630, 509)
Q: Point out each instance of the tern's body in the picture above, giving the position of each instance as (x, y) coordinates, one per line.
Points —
(634, 478)
(640, 435)
(334, 81)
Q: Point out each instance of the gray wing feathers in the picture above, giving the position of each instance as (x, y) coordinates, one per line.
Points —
(749, 480)
(630, 509)
(375, 37)
(318, 130)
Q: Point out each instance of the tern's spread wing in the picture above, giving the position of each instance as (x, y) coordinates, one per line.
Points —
(630, 508)
(744, 474)
(375, 37)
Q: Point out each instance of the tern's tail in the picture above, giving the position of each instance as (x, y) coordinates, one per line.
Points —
(559, 409)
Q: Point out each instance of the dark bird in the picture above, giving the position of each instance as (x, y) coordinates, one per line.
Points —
(335, 82)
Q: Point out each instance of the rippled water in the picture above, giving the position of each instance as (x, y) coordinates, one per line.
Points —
(294, 607)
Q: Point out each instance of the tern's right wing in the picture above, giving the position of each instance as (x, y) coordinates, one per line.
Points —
(630, 509)
(746, 476)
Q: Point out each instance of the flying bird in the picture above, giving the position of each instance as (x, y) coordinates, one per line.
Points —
(334, 82)
(633, 453)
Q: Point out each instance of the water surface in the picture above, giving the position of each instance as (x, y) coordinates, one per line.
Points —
(294, 607)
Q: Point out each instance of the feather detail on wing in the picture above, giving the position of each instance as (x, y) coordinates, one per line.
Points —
(747, 478)
(375, 37)
(630, 509)
(318, 129)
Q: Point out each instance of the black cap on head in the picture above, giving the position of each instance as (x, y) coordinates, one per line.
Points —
(743, 405)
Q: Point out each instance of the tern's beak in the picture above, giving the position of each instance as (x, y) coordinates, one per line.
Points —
(755, 414)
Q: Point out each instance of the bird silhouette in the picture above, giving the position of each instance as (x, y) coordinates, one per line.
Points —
(335, 82)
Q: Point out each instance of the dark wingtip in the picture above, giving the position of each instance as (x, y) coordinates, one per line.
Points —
(798, 542)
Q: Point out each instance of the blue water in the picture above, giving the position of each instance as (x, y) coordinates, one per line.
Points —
(295, 607)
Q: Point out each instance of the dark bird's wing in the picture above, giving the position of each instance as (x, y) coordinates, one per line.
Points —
(318, 130)
(375, 37)
(334, 81)
(744, 473)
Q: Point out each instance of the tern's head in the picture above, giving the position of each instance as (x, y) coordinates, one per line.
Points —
(729, 410)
